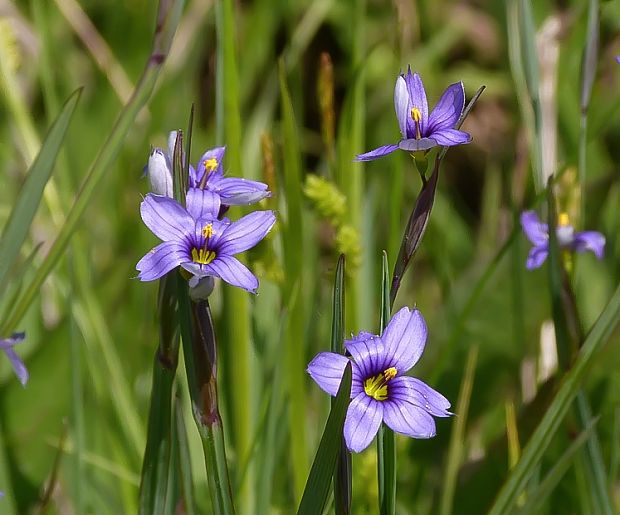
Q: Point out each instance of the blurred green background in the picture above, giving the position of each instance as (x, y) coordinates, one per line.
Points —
(92, 331)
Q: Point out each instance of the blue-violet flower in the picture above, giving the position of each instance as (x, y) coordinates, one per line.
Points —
(379, 389)
(568, 239)
(7, 345)
(196, 240)
(420, 131)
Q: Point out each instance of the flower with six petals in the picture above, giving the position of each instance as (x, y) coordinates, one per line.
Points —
(379, 389)
(419, 130)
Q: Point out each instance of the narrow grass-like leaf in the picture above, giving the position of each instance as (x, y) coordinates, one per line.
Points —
(156, 465)
(560, 405)
(29, 198)
(342, 473)
(167, 20)
(386, 450)
(319, 480)
(457, 438)
(292, 243)
(537, 497)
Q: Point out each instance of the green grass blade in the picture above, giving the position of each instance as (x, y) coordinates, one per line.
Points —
(546, 429)
(386, 450)
(292, 243)
(537, 497)
(167, 19)
(457, 439)
(157, 455)
(184, 464)
(29, 198)
(342, 473)
(319, 480)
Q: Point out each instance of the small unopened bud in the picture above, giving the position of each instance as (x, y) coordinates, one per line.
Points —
(160, 175)
(200, 289)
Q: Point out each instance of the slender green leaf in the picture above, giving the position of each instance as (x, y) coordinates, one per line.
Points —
(546, 429)
(29, 198)
(342, 473)
(537, 497)
(185, 480)
(317, 487)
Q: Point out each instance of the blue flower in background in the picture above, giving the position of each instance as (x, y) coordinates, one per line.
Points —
(7, 345)
(379, 389)
(419, 130)
(568, 239)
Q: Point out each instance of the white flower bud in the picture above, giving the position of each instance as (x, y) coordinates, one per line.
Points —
(160, 174)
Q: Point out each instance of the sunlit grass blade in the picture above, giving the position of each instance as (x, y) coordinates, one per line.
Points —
(154, 489)
(167, 19)
(546, 429)
(342, 473)
(457, 438)
(292, 242)
(29, 198)
(538, 496)
(386, 450)
(317, 487)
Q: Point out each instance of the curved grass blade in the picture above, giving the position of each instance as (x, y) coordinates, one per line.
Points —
(167, 20)
(29, 198)
(541, 493)
(184, 463)
(317, 487)
(546, 429)
(342, 473)
(386, 450)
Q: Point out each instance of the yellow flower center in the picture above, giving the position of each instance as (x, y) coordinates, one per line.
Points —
(376, 386)
(210, 164)
(416, 114)
(204, 256)
(563, 220)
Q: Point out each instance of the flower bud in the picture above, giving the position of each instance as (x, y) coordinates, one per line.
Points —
(160, 175)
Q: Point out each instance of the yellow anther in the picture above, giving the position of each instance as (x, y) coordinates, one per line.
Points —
(376, 386)
(207, 230)
(416, 114)
(210, 164)
(563, 220)
(390, 373)
(202, 256)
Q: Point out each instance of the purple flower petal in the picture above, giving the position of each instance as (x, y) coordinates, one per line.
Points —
(368, 352)
(417, 392)
(362, 422)
(404, 339)
(202, 204)
(160, 260)
(536, 231)
(401, 105)
(450, 137)
(590, 240)
(233, 272)
(18, 365)
(238, 192)
(165, 217)
(327, 369)
(376, 153)
(447, 111)
(413, 145)
(246, 232)
(409, 419)
(417, 97)
(216, 154)
(536, 257)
